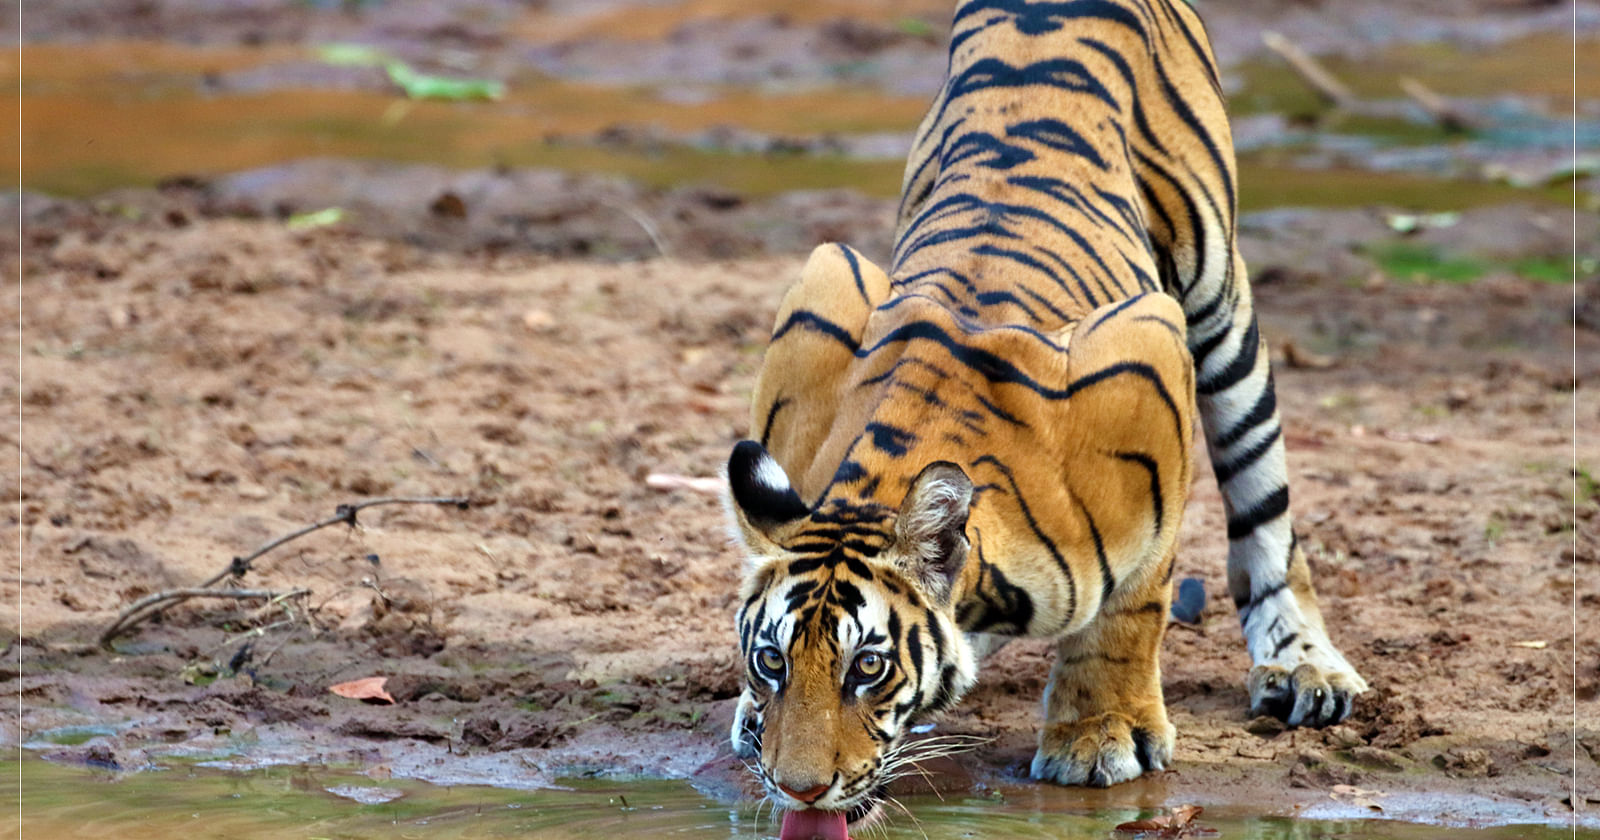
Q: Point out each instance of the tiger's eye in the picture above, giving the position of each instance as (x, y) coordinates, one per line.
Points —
(770, 660)
(868, 666)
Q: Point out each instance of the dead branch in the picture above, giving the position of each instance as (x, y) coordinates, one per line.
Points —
(1333, 92)
(1323, 82)
(1449, 117)
(345, 513)
(147, 607)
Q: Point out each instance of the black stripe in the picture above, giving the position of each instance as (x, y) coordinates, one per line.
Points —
(1256, 601)
(1176, 331)
(998, 411)
(914, 650)
(1137, 369)
(1111, 312)
(996, 369)
(1150, 466)
(1242, 523)
(813, 322)
(1233, 466)
(1108, 583)
(1001, 155)
(1197, 241)
(1003, 297)
(1238, 369)
(1057, 135)
(1260, 413)
(1033, 525)
(987, 73)
(1176, 100)
(855, 271)
(772, 414)
(889, 439)
(1197, 45)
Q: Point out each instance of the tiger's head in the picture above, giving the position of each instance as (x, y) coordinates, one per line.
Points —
(847, 631)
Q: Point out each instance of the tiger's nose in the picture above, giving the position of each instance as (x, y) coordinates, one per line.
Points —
(807, 796)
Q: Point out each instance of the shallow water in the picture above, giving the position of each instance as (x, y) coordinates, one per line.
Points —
(196, 802)
(110, 114)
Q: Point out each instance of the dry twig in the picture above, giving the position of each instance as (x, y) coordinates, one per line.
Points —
(150, 605)
(1311, 70)
(345, 513)
(1448, 116)
(1336, 94)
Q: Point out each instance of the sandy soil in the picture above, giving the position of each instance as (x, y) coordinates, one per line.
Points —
(193, 386)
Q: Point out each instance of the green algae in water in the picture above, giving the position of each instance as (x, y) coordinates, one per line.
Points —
(1412, 262)
(295, 802)
(72, 736)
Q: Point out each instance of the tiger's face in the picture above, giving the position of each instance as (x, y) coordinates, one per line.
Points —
(847, 631)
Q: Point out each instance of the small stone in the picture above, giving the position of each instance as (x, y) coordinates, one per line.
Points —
(1190, 601)
(1266, 726)
(1311, 758)
(1255, 751)
(1378, 759)
(537, 319)
(1342, 738)
(1466, 762)
(1321, 776)
(366, 794)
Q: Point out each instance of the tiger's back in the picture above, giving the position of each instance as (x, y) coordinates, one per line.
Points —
(1085, 143)
(995, 435)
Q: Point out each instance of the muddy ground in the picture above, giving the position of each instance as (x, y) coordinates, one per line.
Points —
(194, 385)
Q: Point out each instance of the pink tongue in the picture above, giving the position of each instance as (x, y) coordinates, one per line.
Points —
(812, 823)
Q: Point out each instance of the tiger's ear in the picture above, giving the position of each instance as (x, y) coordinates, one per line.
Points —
(763, 499)
(931, 531)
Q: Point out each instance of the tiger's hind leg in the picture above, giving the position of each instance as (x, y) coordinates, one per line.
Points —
(1189, 192)
(1298, 675)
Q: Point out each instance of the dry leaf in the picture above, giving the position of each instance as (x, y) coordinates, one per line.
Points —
(369, 690)
(1305, 359)
(1357, 796)
(1174, 824)
(667, 481)
(1430, 438)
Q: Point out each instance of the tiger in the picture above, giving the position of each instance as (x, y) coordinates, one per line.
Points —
(992, 437)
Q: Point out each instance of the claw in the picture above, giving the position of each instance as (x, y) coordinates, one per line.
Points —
(1100, 751)
(1306, 697)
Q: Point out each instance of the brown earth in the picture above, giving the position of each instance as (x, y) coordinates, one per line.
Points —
(192, 386)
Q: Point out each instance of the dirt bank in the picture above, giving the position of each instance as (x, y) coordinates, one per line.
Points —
(192, 386)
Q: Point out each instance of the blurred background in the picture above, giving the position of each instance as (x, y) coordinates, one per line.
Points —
(626, 127)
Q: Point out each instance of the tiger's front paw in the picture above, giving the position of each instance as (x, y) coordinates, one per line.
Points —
(1102, 750)
(1306, 696)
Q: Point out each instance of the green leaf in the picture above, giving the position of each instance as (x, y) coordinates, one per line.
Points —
(419, 85)
(915, 27)
(315, 219)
